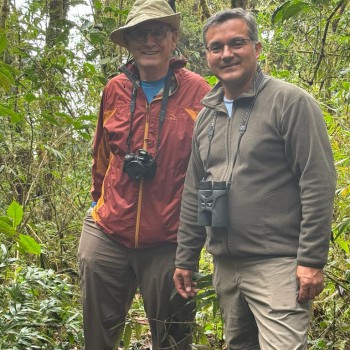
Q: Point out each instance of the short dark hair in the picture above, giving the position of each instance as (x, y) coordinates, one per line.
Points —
(236, 13)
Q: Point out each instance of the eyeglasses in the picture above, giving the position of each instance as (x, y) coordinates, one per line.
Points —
(233, 44)
(140, 35)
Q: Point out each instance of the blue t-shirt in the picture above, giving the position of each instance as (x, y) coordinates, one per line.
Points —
(152, 88)
(229, 105)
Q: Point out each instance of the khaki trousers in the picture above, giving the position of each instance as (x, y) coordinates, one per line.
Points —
(109, 276)
(258, 298)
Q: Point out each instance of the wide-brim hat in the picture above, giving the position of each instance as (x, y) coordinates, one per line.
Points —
(146, 10)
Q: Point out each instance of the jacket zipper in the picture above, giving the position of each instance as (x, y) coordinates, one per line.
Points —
(229, 145)
(138, 214)
(139, 202)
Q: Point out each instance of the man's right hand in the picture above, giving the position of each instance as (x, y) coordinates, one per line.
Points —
(184, 284)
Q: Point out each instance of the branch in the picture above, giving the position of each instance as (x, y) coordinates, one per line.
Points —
(323, 41)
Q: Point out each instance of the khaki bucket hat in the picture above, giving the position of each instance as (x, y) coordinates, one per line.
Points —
(145, 10)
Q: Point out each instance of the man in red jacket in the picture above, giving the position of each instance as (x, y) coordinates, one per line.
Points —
(141, 150)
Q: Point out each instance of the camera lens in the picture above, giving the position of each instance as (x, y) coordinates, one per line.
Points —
(140, 165)
(135, 170)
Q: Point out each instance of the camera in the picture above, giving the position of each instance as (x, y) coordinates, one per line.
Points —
(139, 165)
(212, 204)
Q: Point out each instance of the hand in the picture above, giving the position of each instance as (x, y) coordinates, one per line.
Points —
(310, 282)
(184, 284)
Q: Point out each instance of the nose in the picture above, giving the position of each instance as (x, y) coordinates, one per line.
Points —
(149, 39)
(227, 52)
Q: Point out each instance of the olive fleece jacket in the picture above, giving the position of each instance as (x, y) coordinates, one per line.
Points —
(280, 202)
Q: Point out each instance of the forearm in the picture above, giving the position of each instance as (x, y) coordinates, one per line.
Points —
(191, 237)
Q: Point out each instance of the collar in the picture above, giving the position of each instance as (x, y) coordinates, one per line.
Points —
(214, 99)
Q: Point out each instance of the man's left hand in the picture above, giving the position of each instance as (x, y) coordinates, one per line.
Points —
(184, 284)
(310, 282)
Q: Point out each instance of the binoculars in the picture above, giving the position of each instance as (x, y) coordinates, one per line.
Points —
(212, 204)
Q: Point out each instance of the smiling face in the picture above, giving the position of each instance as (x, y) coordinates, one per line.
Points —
(151, 44)
(233, 66)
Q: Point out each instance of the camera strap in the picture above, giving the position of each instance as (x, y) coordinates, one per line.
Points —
(163, 108)
(241, 130)
(135, 86)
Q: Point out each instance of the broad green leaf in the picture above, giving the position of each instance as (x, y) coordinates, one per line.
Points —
(15, 212)
(137, 330)
(5, 111)
(109, 24)
(344, 245)
(115, 10)
(212, 80)
(6, 219)
(89, 117)
(50, 118)
(13, 71)
(7, 229)
(30, 97)
(127, 336)
(98, 37)
(341, 228)
(79, 125)
(67, 118)
(6, 78)
(28, 244)
(289, 9)
(3, 41)
(85, 135)
(90, 67)
(98, 5)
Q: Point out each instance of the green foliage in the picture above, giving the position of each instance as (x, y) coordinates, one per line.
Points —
(209, 319)
(50, 87)
(8, 225)
(289, 9)
(36, 307)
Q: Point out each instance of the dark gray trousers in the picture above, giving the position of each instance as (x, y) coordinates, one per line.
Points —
(109, 276)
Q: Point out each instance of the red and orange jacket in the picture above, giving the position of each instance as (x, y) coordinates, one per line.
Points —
(144, 213)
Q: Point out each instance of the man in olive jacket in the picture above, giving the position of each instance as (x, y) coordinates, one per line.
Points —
(263, 146)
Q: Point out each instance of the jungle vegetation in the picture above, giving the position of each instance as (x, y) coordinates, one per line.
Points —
(55, 58)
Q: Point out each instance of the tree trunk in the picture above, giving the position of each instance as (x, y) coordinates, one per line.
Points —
(58, 10)
(239, 3)
(4, 13)
(205, 9)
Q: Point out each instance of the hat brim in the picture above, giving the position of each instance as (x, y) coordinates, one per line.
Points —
(118, 35)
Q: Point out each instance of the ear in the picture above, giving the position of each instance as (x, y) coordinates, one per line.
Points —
(174, 39)
(258, 48)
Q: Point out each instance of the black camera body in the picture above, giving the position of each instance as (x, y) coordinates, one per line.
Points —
(212, 204)
(140, 165)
